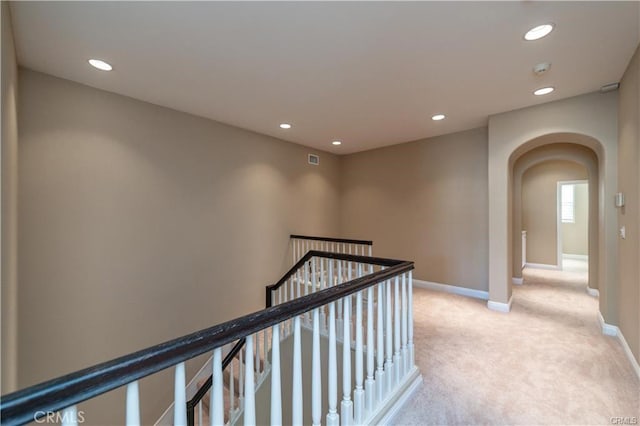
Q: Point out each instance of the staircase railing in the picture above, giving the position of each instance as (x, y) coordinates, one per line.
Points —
(381, 286)
(300, 245)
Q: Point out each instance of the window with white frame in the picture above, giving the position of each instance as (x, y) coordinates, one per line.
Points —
(567, 203)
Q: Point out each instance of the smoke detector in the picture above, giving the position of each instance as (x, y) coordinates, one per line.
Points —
(541, 68)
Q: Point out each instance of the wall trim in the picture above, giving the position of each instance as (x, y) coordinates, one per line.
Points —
(542, 266)
(410, 390)
(607, 329)
(446, 288)
(499, 306)
(614, 331)
(593, 291)
(517, 281)
(575, 256)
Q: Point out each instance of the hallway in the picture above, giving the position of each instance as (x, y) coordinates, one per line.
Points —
(546, 362)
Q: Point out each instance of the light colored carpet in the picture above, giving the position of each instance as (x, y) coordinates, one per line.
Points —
(544, 363)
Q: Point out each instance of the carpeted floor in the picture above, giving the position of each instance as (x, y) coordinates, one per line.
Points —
(545, 363)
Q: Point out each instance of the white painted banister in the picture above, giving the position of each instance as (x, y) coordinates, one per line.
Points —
(249, 385)
(316, 372)
(216, 405)
(358, 394)
(296, 403)
(377, 366)
(180, 397)
(388, 363)
(276, 394)
(380, 374)
(333, 418)
(369, 385)
(405, 315)
(410, 321)
(346, 408)
(396, 331)
(133, 404)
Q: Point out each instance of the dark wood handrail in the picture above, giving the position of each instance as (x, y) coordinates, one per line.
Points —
(56, 394)
(332, 240)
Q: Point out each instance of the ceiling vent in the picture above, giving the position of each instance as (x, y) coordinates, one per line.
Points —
(314, 159)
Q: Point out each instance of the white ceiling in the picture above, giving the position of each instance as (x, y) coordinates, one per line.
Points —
(370, 74)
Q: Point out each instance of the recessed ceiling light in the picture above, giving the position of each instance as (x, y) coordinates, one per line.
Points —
(538, 32)
(336, 143)
(101, 65)
(285, 126)
(438, 117)
(543, 91)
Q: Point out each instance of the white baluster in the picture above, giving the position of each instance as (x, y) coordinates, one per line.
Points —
(369, 383)
(276, 395)
(296, 403)
(388, 363)
(323, 284)
(333, 419)
(346, 409)
(314, 277)
(216, 404)
(293, 250)
(249, 385)
(370, 250)
(358, 393)
(306, 277)
(180, 397)
(241, 368)
(403, 351)
(257, 354)
(265, 350)
(396, 331)
(200, 413)
(316, 371)
(70, 416)
(410, 321)
(380, 374)
(133, 404)
(291, 288)
(232, 388)
(340, 302)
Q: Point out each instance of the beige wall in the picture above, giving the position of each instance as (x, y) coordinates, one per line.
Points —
(588, 120)
(9, 166)
(575, 235)
(424, 201)
(139, 224)
(629, 216)
(539, 207)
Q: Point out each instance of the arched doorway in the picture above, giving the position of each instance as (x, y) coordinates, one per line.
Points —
(574, 153)
(501, 181)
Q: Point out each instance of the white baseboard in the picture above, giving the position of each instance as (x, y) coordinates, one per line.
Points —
(446, 288)
(409, 392)
(593, 292)
(613, 330)
(499, 306)
(607, 329)
(517, 281)
(542, 266)
(575, 256)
